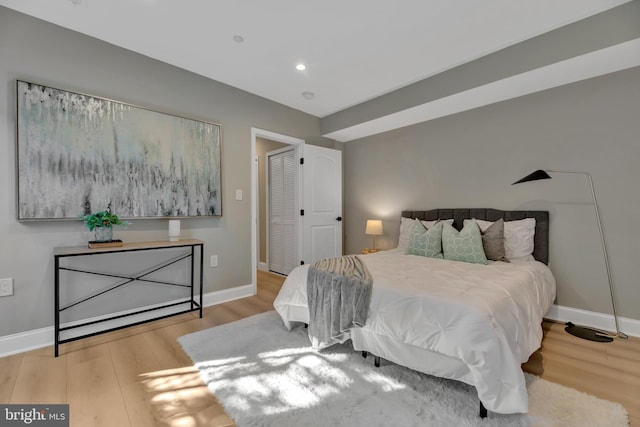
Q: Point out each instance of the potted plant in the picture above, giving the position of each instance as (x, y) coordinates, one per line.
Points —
(102, 222)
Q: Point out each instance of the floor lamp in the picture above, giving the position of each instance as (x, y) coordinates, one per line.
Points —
(581, 331)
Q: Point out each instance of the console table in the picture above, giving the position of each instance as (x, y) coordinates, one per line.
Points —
(80, 251)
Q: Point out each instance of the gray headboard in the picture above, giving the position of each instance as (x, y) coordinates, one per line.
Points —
(541, 238)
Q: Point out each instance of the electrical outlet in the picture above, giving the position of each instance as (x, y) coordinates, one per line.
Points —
(6, 287)
(214, 261)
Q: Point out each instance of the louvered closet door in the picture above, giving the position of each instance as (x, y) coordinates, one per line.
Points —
(283, 188)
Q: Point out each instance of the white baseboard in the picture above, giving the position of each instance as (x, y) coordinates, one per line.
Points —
(263, 266)
(592, 319)
(38, 338)
(43, 337)
(25, 341)
(219, 297)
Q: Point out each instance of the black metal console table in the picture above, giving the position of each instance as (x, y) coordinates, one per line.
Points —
(77, 251)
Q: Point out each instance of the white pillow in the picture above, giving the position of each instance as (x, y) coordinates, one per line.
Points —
(406, 226)
(518, 238)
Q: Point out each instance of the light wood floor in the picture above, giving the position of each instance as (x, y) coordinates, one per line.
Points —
(141, 377)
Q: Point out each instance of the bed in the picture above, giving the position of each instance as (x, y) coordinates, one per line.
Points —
(469, 322)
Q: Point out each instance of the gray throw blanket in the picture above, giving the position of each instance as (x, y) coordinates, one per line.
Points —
(338, 294)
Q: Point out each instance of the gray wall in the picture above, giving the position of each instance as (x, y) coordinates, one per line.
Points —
(470, 159)
(36, 51)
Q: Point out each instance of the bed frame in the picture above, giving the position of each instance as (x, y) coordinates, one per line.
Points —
(541, 238)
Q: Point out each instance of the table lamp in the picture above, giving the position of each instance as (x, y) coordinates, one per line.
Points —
(374, 228)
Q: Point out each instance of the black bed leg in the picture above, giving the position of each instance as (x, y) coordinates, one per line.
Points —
(483, 411)
(376, 361)
(364, 354)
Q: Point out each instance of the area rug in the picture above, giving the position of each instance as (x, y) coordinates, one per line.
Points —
(265, 375)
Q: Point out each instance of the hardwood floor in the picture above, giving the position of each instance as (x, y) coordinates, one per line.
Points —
(141, 377)
(610, 371)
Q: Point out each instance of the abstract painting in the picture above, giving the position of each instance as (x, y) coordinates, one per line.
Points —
(79, 154)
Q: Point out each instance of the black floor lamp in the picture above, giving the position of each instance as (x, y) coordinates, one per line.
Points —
(581, 331)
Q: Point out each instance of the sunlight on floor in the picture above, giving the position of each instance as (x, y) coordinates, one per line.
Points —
(177, 395)
(184, 421)
(384, 382)
(270, 379)
(285, 380)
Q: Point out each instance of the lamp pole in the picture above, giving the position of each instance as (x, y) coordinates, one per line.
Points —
(619, 334)
(579, 331)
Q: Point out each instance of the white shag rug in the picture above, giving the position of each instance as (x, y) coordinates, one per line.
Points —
(265, 375)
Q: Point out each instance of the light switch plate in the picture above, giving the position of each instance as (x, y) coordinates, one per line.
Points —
(238, 194)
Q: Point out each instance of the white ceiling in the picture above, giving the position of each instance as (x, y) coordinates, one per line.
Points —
(355, 50)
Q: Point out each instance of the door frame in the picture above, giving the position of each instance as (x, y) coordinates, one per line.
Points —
(273, 136)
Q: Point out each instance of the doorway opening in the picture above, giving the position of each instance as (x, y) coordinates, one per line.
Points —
(282, 211)
(263, 141)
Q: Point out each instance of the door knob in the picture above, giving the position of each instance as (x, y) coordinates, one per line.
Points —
(339, 218)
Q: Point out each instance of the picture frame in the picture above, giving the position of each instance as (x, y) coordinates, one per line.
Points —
(78, 154)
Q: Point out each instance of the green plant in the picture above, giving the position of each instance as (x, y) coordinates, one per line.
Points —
(102, 219)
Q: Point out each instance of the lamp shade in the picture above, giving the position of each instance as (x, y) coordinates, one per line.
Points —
(374, 227)
(534, 176)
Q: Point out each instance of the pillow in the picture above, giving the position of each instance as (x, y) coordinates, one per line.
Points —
(406, 226)
(464, 245)
(493, 240)
(518, 238)
(425, 242)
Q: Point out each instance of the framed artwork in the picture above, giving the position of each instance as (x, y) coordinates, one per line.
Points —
(78, 154)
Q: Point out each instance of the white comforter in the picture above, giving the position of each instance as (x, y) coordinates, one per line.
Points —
(487, 316)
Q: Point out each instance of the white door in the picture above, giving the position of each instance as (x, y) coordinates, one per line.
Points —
(322, 203)
(282, 236)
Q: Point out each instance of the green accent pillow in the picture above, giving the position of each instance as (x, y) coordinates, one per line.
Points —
(425, 242)
(464, 245)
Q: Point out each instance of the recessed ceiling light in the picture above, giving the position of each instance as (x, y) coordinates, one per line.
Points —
(308, 95)
(238, 38)
(301, 67)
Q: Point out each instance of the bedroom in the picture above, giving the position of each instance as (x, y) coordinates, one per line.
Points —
(590, 124)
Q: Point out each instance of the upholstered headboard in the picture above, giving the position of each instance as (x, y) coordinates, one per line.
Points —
(541, 238)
